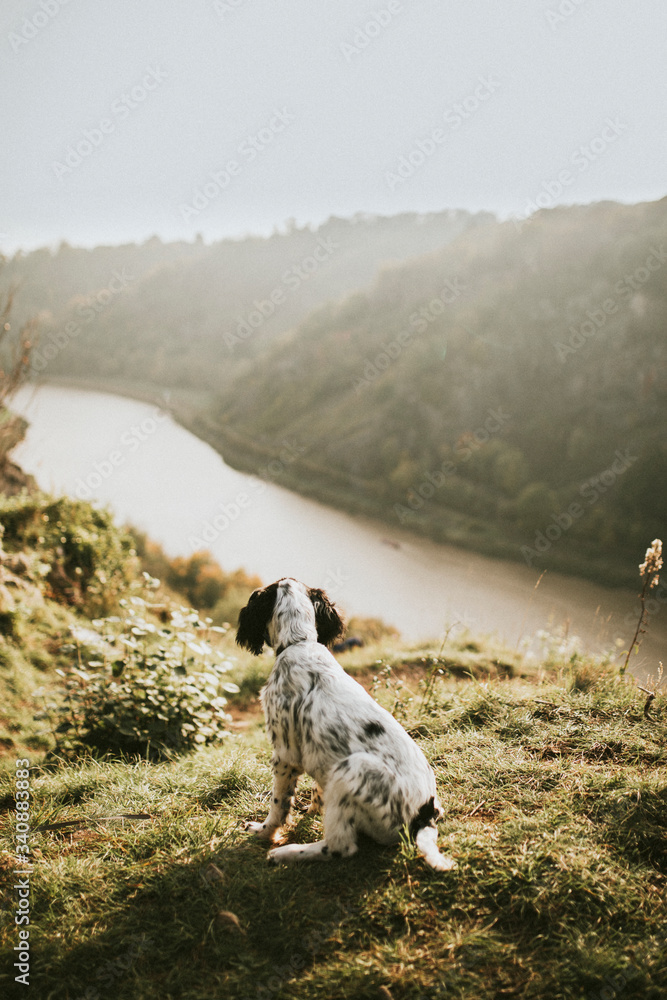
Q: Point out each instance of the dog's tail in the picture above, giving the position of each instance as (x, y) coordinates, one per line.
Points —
(425, 833)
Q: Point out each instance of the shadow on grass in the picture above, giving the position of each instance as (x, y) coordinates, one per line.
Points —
(227, 925)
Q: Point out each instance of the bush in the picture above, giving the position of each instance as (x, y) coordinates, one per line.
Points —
(88, 562)
(199, 578)
(140, 689)
(370, 630)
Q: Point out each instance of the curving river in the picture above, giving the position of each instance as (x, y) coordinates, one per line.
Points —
(154, 474)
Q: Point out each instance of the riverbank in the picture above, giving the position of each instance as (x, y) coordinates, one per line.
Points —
(357, 497)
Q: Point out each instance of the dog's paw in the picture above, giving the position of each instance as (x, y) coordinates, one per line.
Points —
(260, 830)
(286, 855)
(441, 863)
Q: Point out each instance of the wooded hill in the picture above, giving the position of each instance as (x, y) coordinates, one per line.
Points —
(507, 391)
(176, 314)
(499, 385)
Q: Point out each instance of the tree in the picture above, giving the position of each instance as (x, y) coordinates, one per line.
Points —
(535, 506)
(14, 356)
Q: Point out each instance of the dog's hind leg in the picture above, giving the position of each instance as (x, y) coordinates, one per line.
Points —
(340, 837)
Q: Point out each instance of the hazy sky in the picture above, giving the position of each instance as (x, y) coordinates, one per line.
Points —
(130, 118)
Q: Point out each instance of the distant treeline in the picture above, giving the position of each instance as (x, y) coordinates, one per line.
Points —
(190, 314)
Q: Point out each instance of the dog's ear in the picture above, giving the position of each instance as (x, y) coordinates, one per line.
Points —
(329, 622)
(254, 619)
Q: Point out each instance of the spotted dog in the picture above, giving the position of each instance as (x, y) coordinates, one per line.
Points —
(373, 777)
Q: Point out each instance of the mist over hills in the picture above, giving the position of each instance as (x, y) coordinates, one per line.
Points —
(499, 385)
(480, 391)
(174, 313)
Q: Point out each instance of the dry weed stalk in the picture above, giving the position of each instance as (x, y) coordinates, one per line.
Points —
(649, 571)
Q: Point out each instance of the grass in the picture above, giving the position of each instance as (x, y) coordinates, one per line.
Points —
(556, 810)
(145, 884)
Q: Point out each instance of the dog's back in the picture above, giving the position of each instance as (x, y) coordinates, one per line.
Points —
(331, 716)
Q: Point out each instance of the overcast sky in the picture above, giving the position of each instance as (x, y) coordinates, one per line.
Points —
(128, 118)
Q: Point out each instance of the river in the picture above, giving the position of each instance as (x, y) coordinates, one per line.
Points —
(156, 475)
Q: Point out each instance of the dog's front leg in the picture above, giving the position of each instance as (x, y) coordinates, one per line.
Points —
(285, 776)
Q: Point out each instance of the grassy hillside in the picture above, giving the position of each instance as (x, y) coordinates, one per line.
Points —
(144, 883)
(508, 392)
(555, 804)
(73, 587)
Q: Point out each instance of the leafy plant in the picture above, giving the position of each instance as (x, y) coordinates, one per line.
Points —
(88, 560)
(198, 578)
(142, 689)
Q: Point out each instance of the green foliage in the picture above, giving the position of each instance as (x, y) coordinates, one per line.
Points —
(511, 471)
(140, 689)
(206, 586)
(198, 578)
(67, 562)
(86, 560)
(535, 506)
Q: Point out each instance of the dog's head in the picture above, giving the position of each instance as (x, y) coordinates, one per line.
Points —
(286, 612)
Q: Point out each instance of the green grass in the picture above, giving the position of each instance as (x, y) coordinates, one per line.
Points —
(555, 796)
(556, 810)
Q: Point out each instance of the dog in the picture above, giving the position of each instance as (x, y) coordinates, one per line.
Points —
(371, 776)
